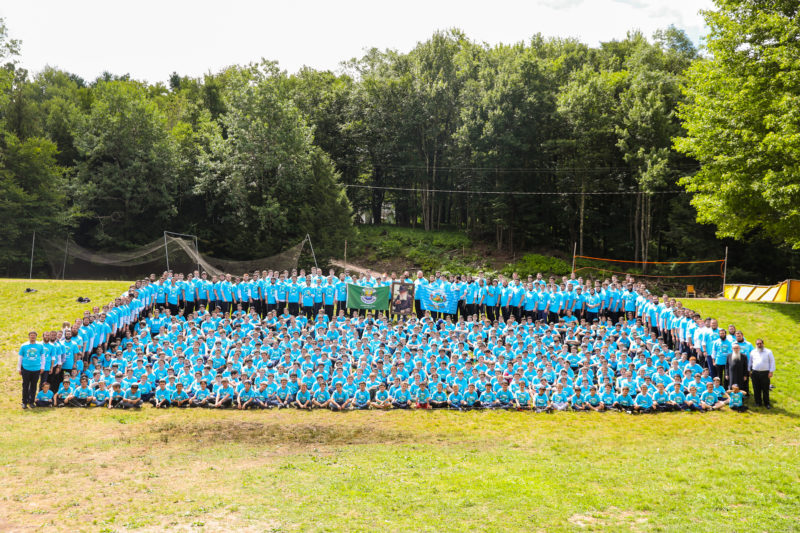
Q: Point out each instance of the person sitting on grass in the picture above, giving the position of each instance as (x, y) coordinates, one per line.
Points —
(361, 397)
(559, 400)
(322, 398)
(736, 398)
(224, 395)
(693, 399)
(643, 402)
(302, 399)
(201, 396)
(505, 398)
(116, 396)
(44, 398)
(382, 399)
(522, 398)
(180, 398)
(283, 394)
(422, 397)
(402, 398)
(132, 399)
(439, 397)
(576, 401)
(624, 400)
(340, 400)
(455, 399)
(677, 399)
(541, 402)
(162, 396)
(709, 401)
(101, 394)
(661, 399)
(608, 398)
(64, 391)
(592, 401)
(247, 397)
(488, 398)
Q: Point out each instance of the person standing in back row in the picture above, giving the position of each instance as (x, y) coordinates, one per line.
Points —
(32, 358)
(762, 367)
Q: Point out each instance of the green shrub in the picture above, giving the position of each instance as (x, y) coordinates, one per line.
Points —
(531, 264)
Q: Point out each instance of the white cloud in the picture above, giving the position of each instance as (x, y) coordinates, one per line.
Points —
(149, 39)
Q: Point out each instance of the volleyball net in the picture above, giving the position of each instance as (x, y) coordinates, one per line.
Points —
(176, 252)
(707, 274)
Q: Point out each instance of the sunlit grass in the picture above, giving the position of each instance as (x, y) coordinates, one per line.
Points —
(95, 470)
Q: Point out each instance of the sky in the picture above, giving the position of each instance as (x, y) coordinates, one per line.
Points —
(151, 39)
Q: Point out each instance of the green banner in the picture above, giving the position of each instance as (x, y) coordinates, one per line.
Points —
(368, 297)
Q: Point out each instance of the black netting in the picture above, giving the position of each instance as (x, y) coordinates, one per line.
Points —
(68, 260)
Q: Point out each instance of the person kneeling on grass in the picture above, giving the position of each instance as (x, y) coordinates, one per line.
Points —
(44, 398)
(541, 402)
(402, 398)
(677, 399)
(456, 399)
(116, 396)
(643, 402)
(247, 397)
(340, 400)
(439, 397)
(224, 396)
(301, 401)
(132, 399)
(736, 399)
(201, 396)
(361, 397)
(559, 399)
(180, 398)
(709, 401)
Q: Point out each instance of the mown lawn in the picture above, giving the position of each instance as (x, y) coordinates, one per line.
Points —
(208, 471)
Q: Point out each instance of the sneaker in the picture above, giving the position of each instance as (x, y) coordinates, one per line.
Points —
(24, 405)
(769, 406)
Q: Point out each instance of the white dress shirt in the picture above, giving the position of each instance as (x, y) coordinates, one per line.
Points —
(762, 360)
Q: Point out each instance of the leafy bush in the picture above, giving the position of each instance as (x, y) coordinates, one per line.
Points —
(531, 264)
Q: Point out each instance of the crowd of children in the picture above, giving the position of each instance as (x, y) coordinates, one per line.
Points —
(278, 340)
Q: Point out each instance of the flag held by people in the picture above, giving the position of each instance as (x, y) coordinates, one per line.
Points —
(442, 300)
(376, 298)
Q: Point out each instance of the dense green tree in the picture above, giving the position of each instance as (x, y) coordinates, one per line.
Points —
(742, 122)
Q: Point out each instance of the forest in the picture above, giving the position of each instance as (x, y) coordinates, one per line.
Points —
(645, 148)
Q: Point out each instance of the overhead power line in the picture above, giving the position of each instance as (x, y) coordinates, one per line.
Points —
(515, 193)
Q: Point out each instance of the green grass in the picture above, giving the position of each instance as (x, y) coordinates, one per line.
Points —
(152, 470)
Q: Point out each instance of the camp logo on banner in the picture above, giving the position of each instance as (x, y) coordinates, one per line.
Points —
(368, 297)
(439, 299)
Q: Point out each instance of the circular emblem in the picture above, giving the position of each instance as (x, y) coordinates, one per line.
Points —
(368, 296)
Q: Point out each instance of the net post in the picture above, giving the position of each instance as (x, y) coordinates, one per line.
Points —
(66, 252)
(312, 250)
(725, 272)
(574, 251)
(345, 251)
(166, 249)
(197, 252)
(33, 245)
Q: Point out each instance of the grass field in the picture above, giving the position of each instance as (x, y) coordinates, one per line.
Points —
(100, 470)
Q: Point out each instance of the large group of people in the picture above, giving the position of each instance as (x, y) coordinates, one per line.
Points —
(272, 340)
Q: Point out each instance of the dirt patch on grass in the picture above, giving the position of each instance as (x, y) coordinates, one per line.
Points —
(610, 518)
(309, 433)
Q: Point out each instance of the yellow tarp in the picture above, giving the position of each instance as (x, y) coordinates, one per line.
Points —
(787, 291)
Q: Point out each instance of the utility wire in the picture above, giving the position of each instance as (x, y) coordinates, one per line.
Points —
(514, 193)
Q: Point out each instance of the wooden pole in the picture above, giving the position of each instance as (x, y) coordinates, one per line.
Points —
(725, 272)
(33, 245)
(166, 249)
(574, 251)
(66, 251)
(345, 252)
